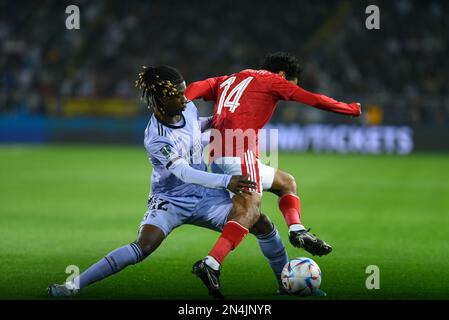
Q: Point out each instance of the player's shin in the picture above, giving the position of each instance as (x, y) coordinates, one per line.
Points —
(273, 249)
(290, 206)
(244, 214)
(112, 263)
(233, 233)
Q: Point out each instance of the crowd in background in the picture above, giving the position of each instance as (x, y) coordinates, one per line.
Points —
(400, 72)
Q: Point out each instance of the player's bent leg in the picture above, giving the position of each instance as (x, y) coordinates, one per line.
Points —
(284, 186)
(272, 247)
(246, 209)
(150, 237)
(112, 263)
(244, 213)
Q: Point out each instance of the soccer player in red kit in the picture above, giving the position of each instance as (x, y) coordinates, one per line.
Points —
(244, 103)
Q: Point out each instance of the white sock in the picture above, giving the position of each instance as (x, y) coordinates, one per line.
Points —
(296, 227)
(211, 262)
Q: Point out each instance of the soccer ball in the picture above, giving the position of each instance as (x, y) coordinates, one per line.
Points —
(301, 276)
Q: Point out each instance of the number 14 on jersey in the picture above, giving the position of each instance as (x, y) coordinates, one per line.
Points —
(231, 100)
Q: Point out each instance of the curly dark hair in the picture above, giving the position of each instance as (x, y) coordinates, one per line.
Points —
(157, 82)
(282, 61)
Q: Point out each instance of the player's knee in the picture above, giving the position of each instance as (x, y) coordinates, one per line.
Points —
(290, 183)
(146, 247)
(247, 215)
(262, 226)
(283, 183)
(247, 201)
(150, 237)
(287, 184)
(246, 209)
(253, 207)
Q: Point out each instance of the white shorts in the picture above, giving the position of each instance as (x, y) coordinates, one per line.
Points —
(262, 174)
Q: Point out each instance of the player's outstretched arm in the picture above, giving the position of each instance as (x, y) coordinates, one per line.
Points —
(183, 171)
(285, 90)
(162, 151)
(326, 103)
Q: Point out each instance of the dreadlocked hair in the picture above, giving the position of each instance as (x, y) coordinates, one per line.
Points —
(158, 82)
(282, 61)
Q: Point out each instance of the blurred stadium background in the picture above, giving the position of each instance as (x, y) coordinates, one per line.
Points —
(50, 75)
(64, 204)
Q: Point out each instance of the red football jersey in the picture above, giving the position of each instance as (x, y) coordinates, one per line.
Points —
(247, 100)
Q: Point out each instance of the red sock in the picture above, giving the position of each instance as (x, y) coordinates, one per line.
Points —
(291, 209)
(233, 233)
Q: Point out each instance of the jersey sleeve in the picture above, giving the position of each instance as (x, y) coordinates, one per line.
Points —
(162, 150)
(183, 171)
(285, 90)
(326, 103)
(205, 89)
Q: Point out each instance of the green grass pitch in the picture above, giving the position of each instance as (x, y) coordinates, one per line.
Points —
(71, 205)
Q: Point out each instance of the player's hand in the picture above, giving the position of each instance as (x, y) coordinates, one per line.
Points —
(357, 108)
(239, 184)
